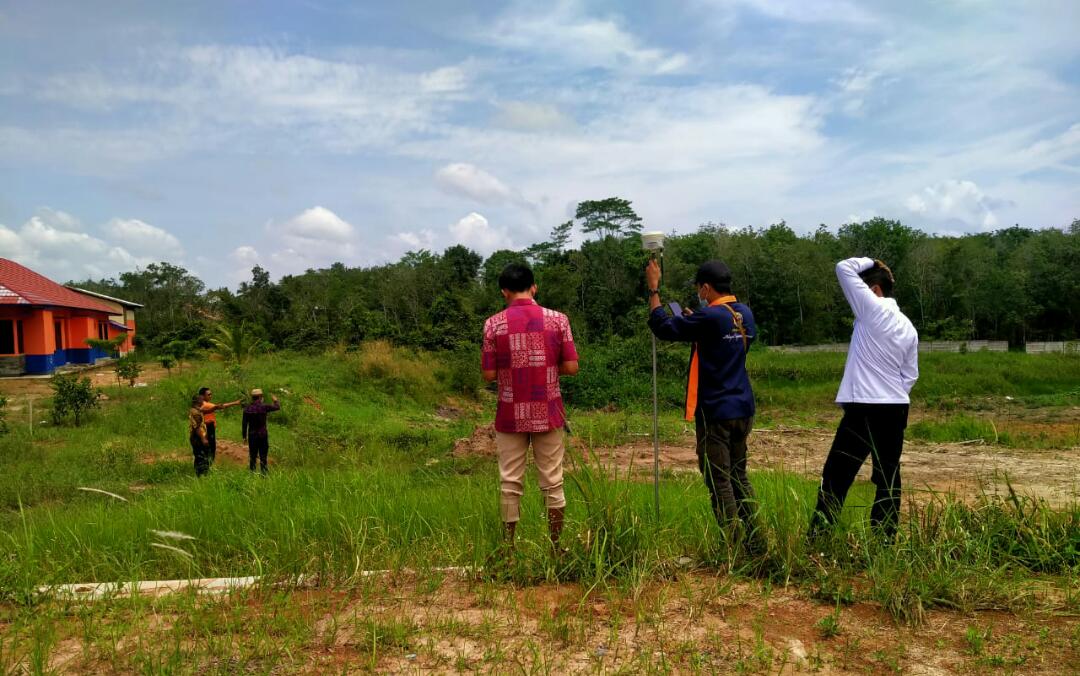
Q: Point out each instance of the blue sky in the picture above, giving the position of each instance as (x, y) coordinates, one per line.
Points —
(222, 135)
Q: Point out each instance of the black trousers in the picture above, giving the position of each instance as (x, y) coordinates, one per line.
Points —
(211, 440)
(258, 447)
(874, 430)
(202, 455)
(721, 452)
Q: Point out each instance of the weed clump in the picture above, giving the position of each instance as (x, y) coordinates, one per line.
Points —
(395, 369)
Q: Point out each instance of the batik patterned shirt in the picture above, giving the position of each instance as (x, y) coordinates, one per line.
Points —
(525, 344)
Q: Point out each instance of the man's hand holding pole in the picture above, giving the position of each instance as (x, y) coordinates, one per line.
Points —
(652, 283)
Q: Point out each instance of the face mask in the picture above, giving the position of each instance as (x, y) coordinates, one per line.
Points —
(702, 303)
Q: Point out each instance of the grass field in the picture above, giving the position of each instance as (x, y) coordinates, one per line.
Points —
(363, 478)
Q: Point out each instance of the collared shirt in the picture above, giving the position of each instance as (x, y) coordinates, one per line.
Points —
(525, 344)
(717, 382)
(196, 423)
(208, 412)
(254, 421)
(883, 360)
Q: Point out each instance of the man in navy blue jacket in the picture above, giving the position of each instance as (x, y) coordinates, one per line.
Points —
(718, 395)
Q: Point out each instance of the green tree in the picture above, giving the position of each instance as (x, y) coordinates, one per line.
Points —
(609, 217)
(72, 397)
(237, 343)
(128, 368)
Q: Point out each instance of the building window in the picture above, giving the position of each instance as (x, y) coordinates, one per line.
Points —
(103, 330)
(7, 336)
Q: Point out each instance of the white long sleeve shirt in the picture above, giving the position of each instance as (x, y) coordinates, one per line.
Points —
(883, 360)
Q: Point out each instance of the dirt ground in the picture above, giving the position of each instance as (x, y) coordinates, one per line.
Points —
(695, 623)
(17, 390)
(965, 469)
(698, 623)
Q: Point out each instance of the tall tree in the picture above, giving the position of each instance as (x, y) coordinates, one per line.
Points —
(608, 217)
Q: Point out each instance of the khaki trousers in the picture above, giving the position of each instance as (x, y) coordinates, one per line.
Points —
(548, 451)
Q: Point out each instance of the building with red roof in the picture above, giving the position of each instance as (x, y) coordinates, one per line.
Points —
(45, 325)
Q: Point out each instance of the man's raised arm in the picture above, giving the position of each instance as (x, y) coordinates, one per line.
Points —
(859, 296)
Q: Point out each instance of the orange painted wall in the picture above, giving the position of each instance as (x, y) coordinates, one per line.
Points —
(79, 329)
(38, 332)
(129, 344)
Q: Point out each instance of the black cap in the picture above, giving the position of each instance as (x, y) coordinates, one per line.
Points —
(714, 273)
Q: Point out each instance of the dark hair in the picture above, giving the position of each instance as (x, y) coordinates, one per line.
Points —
(881, 276)
(716, 274)
(516, 277)
(203, 391)
(197, 400)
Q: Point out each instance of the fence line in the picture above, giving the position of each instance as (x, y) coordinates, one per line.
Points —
(924, 346)
(1054, 346)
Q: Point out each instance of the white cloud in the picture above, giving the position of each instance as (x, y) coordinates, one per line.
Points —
(245, 255)
(446, 79)
(414, 241)
(49, 243)
(474, 231)
(801, 11)
(61, 220)
(531, 116)
(144, 239)
(319, 224)
(564, 33)
(955, 200)
(460, 178)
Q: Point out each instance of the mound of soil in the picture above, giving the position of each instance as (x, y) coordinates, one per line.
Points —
(480, 444)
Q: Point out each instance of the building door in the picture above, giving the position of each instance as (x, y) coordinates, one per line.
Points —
(59, 328)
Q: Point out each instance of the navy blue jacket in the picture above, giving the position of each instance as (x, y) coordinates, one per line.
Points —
(724, 391)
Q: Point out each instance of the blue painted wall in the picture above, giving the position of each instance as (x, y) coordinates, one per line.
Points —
(40, 363)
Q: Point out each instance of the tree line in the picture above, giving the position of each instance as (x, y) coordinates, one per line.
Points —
(1015, 284)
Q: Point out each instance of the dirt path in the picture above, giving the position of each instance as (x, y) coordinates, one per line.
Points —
(965, 469)
(37, 387)
(960, 468)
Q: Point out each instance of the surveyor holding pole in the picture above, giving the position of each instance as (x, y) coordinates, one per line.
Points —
(882, 366)
(526, 348)
(719, 399)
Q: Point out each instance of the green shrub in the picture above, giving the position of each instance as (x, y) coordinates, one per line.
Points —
(460, 372)
(128, 368)
(72, 397)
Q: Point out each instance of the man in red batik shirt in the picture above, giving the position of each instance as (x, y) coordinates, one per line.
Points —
(526, 348)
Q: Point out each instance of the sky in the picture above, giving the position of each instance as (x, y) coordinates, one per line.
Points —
(223, 135)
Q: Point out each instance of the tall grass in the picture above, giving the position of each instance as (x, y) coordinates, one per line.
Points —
(363, 478)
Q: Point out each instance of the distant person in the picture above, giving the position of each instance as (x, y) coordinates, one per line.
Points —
(253, 428)
(719, 399)
(526, 348)
(200, 445)
(882, 366)
(209, 411)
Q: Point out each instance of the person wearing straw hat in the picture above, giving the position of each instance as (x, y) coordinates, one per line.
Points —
(719, 399)
(253, 428)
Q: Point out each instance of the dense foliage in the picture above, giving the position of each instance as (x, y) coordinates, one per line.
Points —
(1015, 284)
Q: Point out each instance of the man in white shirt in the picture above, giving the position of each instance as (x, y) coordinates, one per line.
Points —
(882, 366)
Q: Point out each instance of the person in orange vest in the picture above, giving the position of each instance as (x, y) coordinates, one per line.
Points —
(719, 399)
(209, 411)
(197, 436)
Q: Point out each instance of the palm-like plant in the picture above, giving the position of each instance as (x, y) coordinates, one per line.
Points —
(237, 343)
